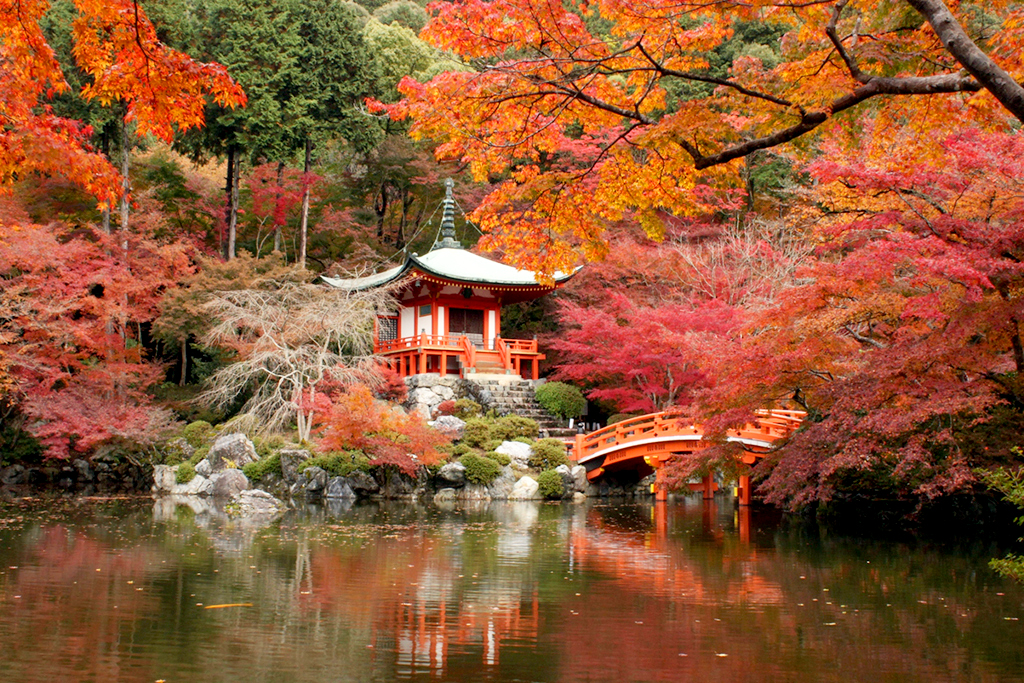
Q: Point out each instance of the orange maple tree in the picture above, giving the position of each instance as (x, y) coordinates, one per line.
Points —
(591, 111)
(117, 47)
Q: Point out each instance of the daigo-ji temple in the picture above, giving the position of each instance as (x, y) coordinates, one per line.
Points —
(449, 316)
(448, 326)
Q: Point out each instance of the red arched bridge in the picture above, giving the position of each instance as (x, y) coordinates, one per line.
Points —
(645, 444)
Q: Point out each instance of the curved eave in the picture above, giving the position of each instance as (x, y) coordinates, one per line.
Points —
(491, 283)
(523, 280)
(370, 281)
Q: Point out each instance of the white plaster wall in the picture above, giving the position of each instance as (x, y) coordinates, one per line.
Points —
(491, 322)
(406, 323)
(440, 320)
(424, 326)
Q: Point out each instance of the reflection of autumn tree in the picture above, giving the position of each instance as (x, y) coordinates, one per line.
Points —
(601, 594)
(82, 601)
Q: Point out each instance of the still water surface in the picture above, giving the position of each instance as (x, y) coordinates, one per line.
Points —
(133, 590)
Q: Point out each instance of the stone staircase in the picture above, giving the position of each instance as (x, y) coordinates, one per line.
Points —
(514, 396)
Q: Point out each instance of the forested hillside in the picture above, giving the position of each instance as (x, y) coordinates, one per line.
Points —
(814, 205)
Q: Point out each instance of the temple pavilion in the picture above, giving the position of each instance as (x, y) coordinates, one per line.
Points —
(449, 310)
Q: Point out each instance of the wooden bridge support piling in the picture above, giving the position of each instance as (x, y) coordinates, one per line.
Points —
(744, 490)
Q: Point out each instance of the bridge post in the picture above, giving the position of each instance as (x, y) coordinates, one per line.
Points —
(744, 490)
(709, 486)
(660, 487)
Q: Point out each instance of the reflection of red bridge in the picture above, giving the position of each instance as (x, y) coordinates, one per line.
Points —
(645, 444)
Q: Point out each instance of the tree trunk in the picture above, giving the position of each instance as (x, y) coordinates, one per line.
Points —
(304, 218)
(277, 205)
(227, 253)
(380, 205)
(184, 362)
(233, 207)
(407, 199)
(978, 64)
(125, 183)
(105, 148)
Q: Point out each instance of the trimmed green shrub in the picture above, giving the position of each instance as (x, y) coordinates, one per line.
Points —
(173, 452)
(548, 454)
(197, 433)
(267, 446)
(511, 426)
(466, 408)
(499, 458)
(550, 484)
(477, 433)
(185, 473)
(255, 471)
(199, 455)
(480, 470)
(561, 399)
(460, 449)
(338, 463)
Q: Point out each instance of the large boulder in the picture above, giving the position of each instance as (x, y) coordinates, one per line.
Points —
(452, 474)
(231, 450)
(204, 468)
(338, 487)
(568, 481)
(199, 486)
(291, 458)
(83, 470)
(229, 483)
(256, 502)
(398, 485)
(362, 484)
(15, 474)
(579, 479)
(525, 489)
(165, 478)
(501, 487)
(450, 426)
(316, 481)
(518, 452)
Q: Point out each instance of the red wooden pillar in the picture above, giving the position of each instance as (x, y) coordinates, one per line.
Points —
(536, 369)
(423, 362)
(709, 486)
(660, 487)
(744, 489)
(444, 363)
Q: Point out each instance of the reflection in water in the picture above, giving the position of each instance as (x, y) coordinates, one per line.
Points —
(142, 591)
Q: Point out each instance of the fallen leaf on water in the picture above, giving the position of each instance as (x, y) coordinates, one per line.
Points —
(232, 604)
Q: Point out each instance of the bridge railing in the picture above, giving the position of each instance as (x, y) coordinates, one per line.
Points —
(768, 426)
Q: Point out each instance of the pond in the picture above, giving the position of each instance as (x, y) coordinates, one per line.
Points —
(137, 590)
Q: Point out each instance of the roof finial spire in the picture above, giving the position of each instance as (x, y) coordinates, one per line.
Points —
(448, 219)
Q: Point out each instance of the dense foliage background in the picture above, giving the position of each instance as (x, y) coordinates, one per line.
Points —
(816, 206)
